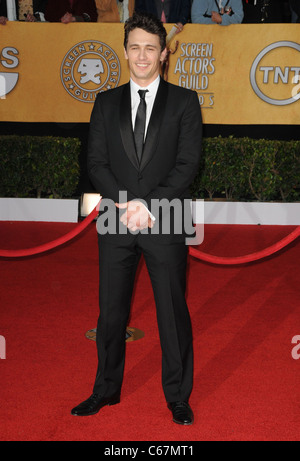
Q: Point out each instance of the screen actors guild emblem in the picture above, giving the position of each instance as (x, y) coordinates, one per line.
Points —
(89, 68)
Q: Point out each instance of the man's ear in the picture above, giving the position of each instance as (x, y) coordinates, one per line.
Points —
(163, 54)
(125, 53)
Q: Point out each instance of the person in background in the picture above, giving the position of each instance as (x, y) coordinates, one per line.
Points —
(67, 11)
(3, 12)
(114, 10)
(168, 11)
(263, 11)
(223, 12)
(22, 10)
(295, 10)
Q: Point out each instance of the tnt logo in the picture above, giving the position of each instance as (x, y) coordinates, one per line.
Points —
(275, 73)
(2, 347)
(8, 79)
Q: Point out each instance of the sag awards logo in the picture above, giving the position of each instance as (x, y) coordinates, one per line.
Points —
(194, 69)
(89, 68)
(273, 81)
(9, 61)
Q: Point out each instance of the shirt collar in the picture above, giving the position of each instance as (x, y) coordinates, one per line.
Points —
(152, 88)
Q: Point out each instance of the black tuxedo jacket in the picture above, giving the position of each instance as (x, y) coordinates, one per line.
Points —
(171, 153)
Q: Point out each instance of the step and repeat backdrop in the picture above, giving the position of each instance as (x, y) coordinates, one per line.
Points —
(243, 74)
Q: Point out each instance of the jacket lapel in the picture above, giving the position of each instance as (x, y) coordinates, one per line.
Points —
(155, 122)
(126, 126)
(153, 127)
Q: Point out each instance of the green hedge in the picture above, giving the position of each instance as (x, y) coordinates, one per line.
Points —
(232, 168)
(33, 166)
(245, 169)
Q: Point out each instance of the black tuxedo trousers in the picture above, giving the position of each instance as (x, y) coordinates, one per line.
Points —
(170, 161)
(166, 265)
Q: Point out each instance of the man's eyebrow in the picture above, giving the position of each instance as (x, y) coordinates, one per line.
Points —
(140, 44)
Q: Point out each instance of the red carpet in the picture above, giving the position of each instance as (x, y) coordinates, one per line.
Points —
(244, 318)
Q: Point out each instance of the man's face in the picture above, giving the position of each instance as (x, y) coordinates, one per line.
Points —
(144, 56)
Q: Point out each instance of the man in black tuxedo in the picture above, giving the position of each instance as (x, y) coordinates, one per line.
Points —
(136, 171)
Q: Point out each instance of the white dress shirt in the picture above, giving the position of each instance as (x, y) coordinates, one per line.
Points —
(123, 10)
(11, 10)
(135, 101)
(149, 98)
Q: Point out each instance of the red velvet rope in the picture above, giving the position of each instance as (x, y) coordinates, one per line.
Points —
(246, 258)
(192, 251)
(55, 243)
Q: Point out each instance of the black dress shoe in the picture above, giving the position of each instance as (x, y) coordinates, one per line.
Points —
(93, 404)
(182, 413)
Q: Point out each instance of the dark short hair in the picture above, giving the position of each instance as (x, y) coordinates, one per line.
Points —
(148, 23)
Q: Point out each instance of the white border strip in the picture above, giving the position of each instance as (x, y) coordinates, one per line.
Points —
(265, 213)
(47, 210)
(58, 210)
